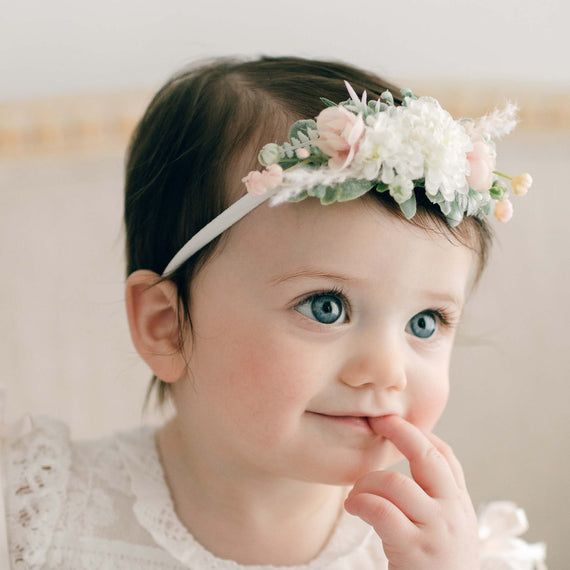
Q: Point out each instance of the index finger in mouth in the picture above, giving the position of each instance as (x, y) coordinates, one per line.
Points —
(428, 465)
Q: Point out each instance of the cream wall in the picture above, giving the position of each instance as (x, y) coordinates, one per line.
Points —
(65, 347)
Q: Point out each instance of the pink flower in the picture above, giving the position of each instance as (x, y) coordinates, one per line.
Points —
(340, 133)
(302, 153)
(503, 210)
(521, 183)
(482, 161)
(257, 183)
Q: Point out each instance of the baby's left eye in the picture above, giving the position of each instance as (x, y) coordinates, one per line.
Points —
(422, 325)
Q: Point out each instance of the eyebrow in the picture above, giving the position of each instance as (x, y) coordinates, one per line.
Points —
(313, 273)
(309, 272)
(458, 301)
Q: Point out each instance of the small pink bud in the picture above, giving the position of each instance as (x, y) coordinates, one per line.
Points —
(302, 153)
(521, 183)
(503, 210)
(257, 183)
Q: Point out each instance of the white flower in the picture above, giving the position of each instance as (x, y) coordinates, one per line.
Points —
(420, 140)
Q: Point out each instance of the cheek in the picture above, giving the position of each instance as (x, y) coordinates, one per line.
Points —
(255, 370)
(429, 398)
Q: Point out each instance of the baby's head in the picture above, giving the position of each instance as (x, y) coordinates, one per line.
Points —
(201, 135)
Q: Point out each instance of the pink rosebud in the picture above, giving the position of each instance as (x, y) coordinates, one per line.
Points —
(482, 161)
(257, 183)
(302, 153)
(503, 210)
(521, 183)
(340, 133)
(273, 176)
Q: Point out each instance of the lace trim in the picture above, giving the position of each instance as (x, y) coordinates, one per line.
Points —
(155, 512)
(38, 468)
(86, 553)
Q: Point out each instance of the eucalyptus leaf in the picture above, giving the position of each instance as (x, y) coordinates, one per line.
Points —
(406, 92)
(299, 197)
(486, 209)
(317, 191)
(330, 196)
(352, 189)
(388, 98)
(409, 207)
(455, 215)
(462, 201)
(445, 207)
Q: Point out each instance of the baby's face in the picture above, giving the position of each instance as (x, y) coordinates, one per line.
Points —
(310, 320)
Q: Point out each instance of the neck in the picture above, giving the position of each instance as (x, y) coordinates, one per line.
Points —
(252, 520)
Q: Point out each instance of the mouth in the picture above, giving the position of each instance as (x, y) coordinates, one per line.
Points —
(349, 420)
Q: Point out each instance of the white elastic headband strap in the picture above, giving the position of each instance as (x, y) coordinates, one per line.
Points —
(214, 228)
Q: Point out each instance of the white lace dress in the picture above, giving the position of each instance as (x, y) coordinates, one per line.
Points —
(105, 505)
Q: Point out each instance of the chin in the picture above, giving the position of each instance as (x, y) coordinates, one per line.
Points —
(346, 472)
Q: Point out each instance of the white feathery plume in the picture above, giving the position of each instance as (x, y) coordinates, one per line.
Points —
(498, 123)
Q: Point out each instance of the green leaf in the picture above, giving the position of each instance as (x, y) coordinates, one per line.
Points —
(388, 97)
(381, 187)
(328, 102)
(301, 126)
(455, 215)
(317, 191)
(352, 189)
(445, 207)
(330, 196)
(497, 193)
(486, 209)
(409, 207)
(301, 196)
(407, 92)
(462, 202)
(475, 199)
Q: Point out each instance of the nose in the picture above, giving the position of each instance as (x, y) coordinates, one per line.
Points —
(376, 360)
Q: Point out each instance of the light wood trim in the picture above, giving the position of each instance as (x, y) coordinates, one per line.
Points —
(96, 123)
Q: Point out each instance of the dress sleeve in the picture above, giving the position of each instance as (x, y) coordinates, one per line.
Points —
(37, 457)
(500, 525)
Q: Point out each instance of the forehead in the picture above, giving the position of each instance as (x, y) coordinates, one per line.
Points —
(357, 239)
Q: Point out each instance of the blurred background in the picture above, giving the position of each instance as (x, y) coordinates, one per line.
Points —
(76, 76)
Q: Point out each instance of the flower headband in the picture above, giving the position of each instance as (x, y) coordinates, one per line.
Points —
(356, 146)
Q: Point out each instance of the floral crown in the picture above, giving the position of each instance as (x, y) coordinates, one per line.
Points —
(356, 146)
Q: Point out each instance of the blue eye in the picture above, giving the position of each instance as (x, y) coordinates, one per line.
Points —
(422, 325)
(326, 308)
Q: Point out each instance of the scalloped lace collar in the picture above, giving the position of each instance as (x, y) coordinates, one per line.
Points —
(155, 512)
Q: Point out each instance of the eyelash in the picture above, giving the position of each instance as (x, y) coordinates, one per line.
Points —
(441, 313)
(334, 292)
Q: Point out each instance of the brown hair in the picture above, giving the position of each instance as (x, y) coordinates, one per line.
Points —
(181, 163)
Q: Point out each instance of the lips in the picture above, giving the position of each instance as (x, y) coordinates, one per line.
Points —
(364, 421)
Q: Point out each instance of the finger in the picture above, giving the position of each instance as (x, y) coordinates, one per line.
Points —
(428, 466)
(400, 490)
(454, 464)
(388, 521)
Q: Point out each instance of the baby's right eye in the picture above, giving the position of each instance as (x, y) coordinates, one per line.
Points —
(327, 308)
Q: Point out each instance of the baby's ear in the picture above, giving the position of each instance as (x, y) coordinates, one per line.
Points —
(152, 310)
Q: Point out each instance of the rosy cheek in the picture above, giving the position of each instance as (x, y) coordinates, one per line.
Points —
(428, 406)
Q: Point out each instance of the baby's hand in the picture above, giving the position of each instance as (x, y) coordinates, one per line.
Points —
(427, 523)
